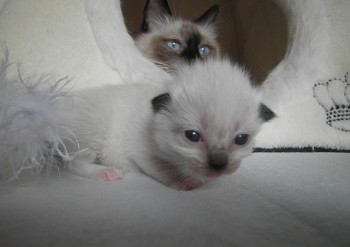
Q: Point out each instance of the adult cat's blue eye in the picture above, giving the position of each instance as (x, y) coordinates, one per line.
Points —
(193, 136)
(241, 139)
(204, 50)
(174, 45)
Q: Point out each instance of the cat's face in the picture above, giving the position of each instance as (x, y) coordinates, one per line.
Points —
(170, 42)
(207, 122)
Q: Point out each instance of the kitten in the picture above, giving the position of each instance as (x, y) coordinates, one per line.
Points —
(170, 41)
(183, 134)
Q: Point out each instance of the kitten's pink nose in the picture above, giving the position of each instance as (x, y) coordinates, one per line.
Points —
(217, 159)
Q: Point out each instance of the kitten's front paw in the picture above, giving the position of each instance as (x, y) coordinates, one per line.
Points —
(109, 174)
(189, 184)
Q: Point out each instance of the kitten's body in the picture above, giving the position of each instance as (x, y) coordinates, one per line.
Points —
(183, 134)
(170, 41)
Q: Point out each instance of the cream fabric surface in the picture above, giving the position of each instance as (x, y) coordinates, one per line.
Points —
(54, 37)
(318, 50)
(273, 200)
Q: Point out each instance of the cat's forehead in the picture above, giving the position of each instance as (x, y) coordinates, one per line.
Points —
(216, 109)
(185, 29)
(216, 92)
(188, 29)
(217, 123)
(213, 79)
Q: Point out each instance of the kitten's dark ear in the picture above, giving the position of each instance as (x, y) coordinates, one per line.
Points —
(265, 113)
(209, 16)
(161, 102)
(154, 10)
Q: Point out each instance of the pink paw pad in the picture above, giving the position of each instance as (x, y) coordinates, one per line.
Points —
(109, 174)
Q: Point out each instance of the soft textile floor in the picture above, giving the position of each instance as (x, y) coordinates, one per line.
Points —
(274, 199)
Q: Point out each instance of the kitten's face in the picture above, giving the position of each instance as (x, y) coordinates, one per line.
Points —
(170, 42)
(206, 124)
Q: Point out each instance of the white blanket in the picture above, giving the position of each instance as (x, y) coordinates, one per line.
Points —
(273, 200)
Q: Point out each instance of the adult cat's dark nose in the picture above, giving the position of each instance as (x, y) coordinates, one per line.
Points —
(191, 52)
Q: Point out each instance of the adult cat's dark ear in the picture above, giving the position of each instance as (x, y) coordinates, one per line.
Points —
(265, 113)
(161, 102)
(154, 10)
(209, 16)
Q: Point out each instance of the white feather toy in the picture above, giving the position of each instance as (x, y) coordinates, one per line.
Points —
(28, 127)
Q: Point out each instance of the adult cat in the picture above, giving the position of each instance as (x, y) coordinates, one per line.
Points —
(171, 41)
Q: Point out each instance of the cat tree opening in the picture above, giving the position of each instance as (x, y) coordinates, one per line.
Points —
(251, 32)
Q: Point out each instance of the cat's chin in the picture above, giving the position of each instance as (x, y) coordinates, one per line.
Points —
(202, 177)
(188, 184)
(192, 177)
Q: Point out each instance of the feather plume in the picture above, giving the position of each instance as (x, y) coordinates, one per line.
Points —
(29, 129)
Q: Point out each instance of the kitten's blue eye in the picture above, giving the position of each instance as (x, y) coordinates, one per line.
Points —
(241, 139)
(204, 50)
(174, 45)
(193, 135)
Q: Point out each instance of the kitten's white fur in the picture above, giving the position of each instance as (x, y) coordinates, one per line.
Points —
(116, 126)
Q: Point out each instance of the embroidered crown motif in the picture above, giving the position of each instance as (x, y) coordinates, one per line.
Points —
(334, 96)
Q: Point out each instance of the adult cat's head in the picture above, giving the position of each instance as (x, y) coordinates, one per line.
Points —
(170, 41)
